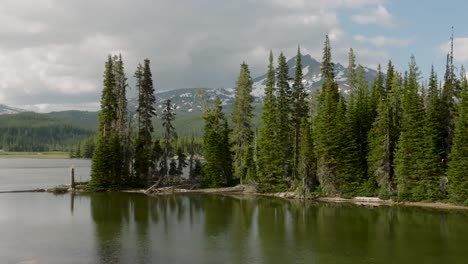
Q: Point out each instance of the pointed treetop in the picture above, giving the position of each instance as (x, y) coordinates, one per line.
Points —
(327, 65)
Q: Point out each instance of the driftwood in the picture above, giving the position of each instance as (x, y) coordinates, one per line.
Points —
(154, 185)
(23, 191)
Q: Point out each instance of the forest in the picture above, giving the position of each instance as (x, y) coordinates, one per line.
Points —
(32, 132)
(400, 137)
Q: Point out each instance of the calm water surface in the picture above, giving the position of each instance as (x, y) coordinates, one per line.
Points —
(199, 229)
(23, 174)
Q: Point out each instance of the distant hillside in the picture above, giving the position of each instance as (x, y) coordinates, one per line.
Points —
(30, 131)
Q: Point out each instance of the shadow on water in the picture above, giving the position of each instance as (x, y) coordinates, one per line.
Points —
(133, 228)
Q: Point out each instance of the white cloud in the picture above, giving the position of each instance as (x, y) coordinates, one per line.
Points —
(460, 49)
(382, 41)
(378, 16)
(324, 4)
(53, 52)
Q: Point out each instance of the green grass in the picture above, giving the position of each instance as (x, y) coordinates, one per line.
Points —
(37, 155)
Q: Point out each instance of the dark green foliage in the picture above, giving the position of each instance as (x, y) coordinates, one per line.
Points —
(306, 159)
(377, 93)
(170, 135)
(84, 149)
(145, 112)
(449, 92)
(217, 169)
(383, 138)
(284, 111)
(430, 161)
(299, 111)
(173, 168)
(326, 131)
(269, 145)
(181, 162)
(458, 158)
(242, 132)
(39, 132)
(355, 138)
(107, 162)
(410, 145)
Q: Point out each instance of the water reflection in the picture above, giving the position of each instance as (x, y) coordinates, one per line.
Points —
(133, 228)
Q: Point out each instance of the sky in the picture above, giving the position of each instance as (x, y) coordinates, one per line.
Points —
(52, 52)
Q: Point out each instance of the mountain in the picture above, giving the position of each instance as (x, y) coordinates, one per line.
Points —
(4, 109)
(312, 75)
(186, 99)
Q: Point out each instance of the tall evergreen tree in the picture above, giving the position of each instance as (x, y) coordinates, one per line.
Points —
(106, 163)
(377, 92)
(123, 126)
(358, 124)
(410, 144)
(448, 97)
(269, 145)
(326, 132)
(170, 135)
(284, 115)
(352, 78)
(242, 136)
(146, 112)
(431, 167)
(458, 158)
(217, 170)
(383, 138)
(389, 77)
(306, 160)
(299, 111)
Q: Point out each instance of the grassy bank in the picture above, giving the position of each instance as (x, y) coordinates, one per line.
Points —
(35, 155)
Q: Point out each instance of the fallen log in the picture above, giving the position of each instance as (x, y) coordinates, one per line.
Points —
(23, 191)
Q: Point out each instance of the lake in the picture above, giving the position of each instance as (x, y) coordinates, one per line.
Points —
(203, 228)
(25, 174)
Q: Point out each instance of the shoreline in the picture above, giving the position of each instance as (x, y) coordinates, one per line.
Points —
(364, 201)
(35, 155)
(250, 190)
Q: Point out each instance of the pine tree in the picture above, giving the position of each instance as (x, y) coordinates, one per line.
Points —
(122, 123)
(299, 110)
(352, 79)
(242, 133)
(383, 138)
(377, 93)
(410, 144)
(389, 77)
(284, 115)
(306, 161)
(146, 112)
(431, 168)
(326, 132)
(448, 97)
(170, 135)
(355, 131)
(217, 170)
(458, 158)
(269, 146)
(104, 171)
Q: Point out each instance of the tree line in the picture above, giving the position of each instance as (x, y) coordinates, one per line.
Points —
(33, 132)
(398, 137)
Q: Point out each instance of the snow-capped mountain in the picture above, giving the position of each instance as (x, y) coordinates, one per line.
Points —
(312, 75)
(186, 99)
(4, 110)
